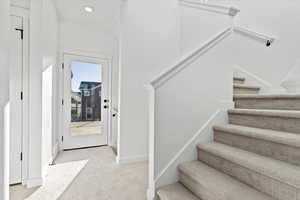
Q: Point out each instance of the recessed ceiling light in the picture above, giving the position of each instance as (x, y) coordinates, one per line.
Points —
(88, 9)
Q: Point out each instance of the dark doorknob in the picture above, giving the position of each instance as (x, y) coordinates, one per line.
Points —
(105, 107)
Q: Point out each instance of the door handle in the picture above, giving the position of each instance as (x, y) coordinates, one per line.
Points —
(105, 106)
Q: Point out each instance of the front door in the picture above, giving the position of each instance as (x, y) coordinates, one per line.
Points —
(15, 100)
(86, 102)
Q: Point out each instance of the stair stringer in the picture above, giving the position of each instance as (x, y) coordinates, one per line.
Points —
(188, 152)
(254, 80)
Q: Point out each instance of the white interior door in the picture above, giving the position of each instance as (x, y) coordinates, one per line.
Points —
(86, 102)
(15, 95)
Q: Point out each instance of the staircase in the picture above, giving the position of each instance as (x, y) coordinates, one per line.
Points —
(254, 157)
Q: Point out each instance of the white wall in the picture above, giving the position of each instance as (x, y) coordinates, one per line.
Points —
(49, 107)
(149, 42)
(35, 95)
(21, 3)
(279, 19)
(43, 53)
(47, 129)
(85, 38)
(4, 87)
(198, 25)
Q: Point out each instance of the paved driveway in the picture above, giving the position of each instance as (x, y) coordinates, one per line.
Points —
(86, 128)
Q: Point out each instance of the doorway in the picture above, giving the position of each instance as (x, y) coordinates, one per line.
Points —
(15, 99)
(86, 102)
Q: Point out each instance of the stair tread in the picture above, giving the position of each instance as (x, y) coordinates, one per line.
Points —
(266, 96)
(280, 137)
(246, 86)
(278, 170)
(219, 183)
(264, 112)
(239, 78)
(175, 192)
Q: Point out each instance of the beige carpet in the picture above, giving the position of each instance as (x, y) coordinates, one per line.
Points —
(89, 174)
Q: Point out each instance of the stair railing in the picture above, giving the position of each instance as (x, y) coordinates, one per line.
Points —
(221, 9)
(267, 40)
(175, 69)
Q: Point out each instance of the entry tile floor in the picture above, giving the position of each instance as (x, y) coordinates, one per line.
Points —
(88, 174)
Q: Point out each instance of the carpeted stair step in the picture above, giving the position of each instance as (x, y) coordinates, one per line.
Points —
(210, 184)
(279, 145)
(281, 101)
(273, 177)
(243, 89)
(175, 192)
(238, 80)
(280, 120)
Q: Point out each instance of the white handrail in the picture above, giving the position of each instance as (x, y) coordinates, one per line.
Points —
(183, 63)
(221, 9)
(255, 35)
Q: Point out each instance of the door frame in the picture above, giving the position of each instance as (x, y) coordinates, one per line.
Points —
(24, 14)
(76, 53)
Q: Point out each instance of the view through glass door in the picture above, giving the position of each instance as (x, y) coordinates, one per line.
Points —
(85, 102)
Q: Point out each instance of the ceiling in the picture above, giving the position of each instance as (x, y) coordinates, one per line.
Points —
(105, 15)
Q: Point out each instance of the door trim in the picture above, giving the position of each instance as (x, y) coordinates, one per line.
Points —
(79, 54)
(24, 14)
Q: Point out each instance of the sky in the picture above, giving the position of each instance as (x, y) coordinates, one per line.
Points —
(85, 72)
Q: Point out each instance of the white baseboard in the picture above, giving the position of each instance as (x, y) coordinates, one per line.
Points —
(253, 80)
(34, 182)
(151, 192)
(291, 86)
(132, 159)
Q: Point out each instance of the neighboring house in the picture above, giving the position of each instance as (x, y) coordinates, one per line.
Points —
(90, 101)
(76, 106)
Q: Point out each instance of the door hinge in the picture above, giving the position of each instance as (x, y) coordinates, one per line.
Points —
(62, 138)
(21, 156)
(63, 65)
(21, 31)
(62, 102)
(21, 95)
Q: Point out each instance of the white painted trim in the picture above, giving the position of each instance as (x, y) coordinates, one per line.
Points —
(267, 40)
(266, 87)
(190, 142)
(45, 168)
(291, 86)
(220, 9)
(5, 149)
(132, 159)
(169, 73)
(34, 182)
(203, 135)
(152, 143)
(24, 13)
(19, 11)
(84, 56)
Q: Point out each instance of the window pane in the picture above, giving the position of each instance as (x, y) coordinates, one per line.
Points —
(85, 98)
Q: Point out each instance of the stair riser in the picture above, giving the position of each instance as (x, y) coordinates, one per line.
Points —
(277, 104)
(199, 190)
(244, 91)
(265, 184)
(266, 122)
(237, 81)
(266, 148)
